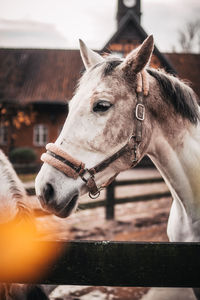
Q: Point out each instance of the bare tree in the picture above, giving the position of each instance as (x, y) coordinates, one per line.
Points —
(189, 37)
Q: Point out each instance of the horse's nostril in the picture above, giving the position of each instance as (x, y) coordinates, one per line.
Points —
(48, 192)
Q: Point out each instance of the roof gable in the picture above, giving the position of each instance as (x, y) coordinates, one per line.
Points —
(130, 20)
(130, 29)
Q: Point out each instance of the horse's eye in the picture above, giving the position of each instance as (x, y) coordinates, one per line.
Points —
(101, 106)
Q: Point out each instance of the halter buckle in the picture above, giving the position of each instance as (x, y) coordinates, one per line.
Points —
(140, 112)
(87, 177)
(94, 191)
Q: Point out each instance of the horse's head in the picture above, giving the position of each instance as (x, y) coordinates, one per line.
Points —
(101, 122)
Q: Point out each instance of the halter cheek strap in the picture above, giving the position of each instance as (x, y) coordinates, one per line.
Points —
(71, 167)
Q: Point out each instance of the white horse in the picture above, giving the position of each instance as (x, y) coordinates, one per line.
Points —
(111, 126)
(107, 116)
(14, 212)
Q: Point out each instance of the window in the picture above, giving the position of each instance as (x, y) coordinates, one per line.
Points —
(40, 135)
(3, 135)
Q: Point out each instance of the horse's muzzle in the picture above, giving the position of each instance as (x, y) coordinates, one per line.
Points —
(48, 201)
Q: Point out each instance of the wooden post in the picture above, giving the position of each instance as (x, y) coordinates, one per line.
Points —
(110, 201)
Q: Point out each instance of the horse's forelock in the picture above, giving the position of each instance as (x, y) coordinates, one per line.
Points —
(98, 71)
(110, 66)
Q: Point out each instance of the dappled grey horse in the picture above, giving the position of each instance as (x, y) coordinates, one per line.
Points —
(109, 129)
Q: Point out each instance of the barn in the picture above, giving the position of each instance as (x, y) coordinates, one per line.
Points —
(36, 84)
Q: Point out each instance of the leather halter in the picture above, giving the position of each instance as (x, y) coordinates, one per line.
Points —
(62, 161)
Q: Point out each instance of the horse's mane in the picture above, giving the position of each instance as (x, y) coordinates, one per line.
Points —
(178, 93)
(16, 188)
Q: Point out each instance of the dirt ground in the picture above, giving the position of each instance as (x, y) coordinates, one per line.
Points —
(141, 221)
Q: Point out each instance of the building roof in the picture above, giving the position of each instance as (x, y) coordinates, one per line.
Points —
(50, 76)
(187, 66)
(38, 75)
(130, 29)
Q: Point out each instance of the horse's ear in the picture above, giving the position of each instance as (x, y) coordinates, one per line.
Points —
(89, 57)
(138, 58)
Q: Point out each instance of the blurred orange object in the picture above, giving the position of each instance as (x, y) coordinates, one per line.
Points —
(21, 256)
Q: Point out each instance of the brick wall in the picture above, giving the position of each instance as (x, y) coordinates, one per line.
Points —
(24, 136)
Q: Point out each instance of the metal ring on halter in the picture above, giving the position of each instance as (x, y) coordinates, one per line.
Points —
(131, 137)
(96, 195)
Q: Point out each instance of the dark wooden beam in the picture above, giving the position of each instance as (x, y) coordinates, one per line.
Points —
(105, 263)
(138, 181)
(110, 202)
(147, 197)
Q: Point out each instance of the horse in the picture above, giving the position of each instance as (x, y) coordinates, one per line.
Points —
(111, 126)
(15, 213)
(105, 116)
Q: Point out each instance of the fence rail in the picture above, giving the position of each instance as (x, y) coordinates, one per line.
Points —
(138, 181)
(31, 190)
(110, 200)
(104, 263)
(147, 197)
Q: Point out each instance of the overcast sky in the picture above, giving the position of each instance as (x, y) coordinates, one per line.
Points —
(59, 23)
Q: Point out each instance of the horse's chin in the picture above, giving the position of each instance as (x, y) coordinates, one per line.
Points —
(62, 210)
(68, 208)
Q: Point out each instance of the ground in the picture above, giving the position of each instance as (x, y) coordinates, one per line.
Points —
(140, 221)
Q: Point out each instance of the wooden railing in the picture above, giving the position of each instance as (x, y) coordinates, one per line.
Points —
(110, 200)
(105, 263)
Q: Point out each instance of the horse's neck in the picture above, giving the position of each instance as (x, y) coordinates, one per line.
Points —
(179, 164)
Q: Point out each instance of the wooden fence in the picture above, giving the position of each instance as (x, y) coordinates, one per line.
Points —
(104, 263)
(110, 200)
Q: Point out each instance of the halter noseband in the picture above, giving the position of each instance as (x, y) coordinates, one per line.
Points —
(62, 161)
